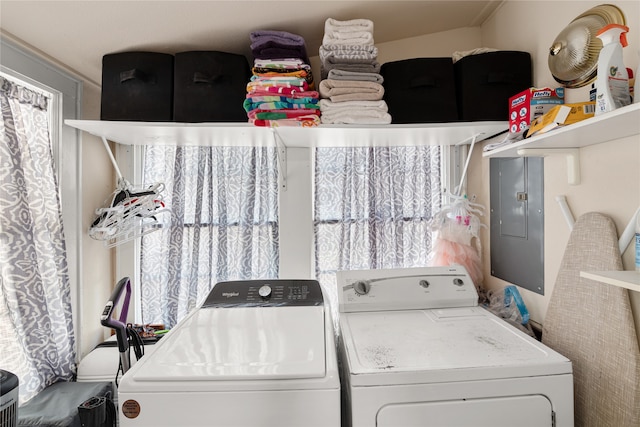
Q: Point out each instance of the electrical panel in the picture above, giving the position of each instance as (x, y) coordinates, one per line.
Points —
(517, 221)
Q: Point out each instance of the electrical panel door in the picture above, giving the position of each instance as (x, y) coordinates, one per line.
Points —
(517, 221)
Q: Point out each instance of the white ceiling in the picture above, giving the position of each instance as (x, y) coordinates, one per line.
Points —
(79, 33)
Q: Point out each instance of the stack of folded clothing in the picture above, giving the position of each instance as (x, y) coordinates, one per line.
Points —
(282, 90)
(351, 89)
(348, 45)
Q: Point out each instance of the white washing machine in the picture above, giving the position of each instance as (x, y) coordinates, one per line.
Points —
(417, 350)
(256, 353)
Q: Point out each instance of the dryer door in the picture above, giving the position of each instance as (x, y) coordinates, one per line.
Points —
(523, 411)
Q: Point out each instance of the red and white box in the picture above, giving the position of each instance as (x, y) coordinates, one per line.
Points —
(530, 104)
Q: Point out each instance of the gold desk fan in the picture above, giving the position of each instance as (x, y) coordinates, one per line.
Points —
(573, 56)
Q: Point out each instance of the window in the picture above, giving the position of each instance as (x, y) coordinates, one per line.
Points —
(66, 92)
(39, 259)
(36, 331)
(223, 225)
(372, 210)
(373, 207)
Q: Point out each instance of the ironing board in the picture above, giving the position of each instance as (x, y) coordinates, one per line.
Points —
(591, 323)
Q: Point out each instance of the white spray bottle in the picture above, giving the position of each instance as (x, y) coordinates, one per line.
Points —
(612, 84)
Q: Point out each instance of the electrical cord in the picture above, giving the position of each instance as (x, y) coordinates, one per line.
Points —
(111, 415)
(136, 343)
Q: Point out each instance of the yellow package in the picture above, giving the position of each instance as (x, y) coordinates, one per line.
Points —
(561, 115)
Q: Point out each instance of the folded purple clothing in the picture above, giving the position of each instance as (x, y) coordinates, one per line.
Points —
(267, 44)
(280, 53)
(282, 37)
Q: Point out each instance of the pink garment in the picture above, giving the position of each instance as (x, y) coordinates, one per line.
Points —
(299, 94)
(453, 246)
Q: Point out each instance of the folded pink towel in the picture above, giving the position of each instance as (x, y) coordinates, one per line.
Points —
(311, 120)
(295, 95)
(266, 83)
(281, 113)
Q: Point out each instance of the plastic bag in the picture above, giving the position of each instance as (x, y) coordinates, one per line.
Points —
(457, 230)
(507, 304)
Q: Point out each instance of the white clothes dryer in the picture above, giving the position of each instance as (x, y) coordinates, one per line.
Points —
(255, 353)
(417, 350)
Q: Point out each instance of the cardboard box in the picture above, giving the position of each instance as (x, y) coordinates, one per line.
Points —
(530, 104)
(562, 115)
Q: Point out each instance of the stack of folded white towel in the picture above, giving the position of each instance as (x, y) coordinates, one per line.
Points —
(351, 90)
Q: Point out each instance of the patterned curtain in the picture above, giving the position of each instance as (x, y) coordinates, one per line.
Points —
(223, 225)
(373, 207)
(37, 341)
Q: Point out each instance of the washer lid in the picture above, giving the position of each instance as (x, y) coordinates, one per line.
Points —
(442, 345)
(240, 343)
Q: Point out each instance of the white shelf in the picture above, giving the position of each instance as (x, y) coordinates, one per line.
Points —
(624, 279)
(617, 124)
(245, 134)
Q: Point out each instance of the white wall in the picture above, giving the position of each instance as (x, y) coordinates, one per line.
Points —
(610, 171)
(98, 182)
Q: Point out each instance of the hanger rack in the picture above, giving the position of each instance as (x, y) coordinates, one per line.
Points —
(129, 213)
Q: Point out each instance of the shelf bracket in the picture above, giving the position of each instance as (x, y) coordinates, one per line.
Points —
(113, 159)
(466, 164)
(281, 152)
(566, 212)
(573, 159)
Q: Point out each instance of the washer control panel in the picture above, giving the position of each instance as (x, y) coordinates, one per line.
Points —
(405, 288)
(265, 293)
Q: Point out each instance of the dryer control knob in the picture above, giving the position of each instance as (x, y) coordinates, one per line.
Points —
(264, 291)
(361, 287)
(458, 282)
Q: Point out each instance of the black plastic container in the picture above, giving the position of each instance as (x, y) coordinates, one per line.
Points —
(486, 81)
(420, 90)
(210, 86)
(137, 86)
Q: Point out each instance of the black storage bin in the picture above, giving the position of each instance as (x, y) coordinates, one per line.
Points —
(420, 90)
(210, 86)
(486, 81)
(137, 86)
